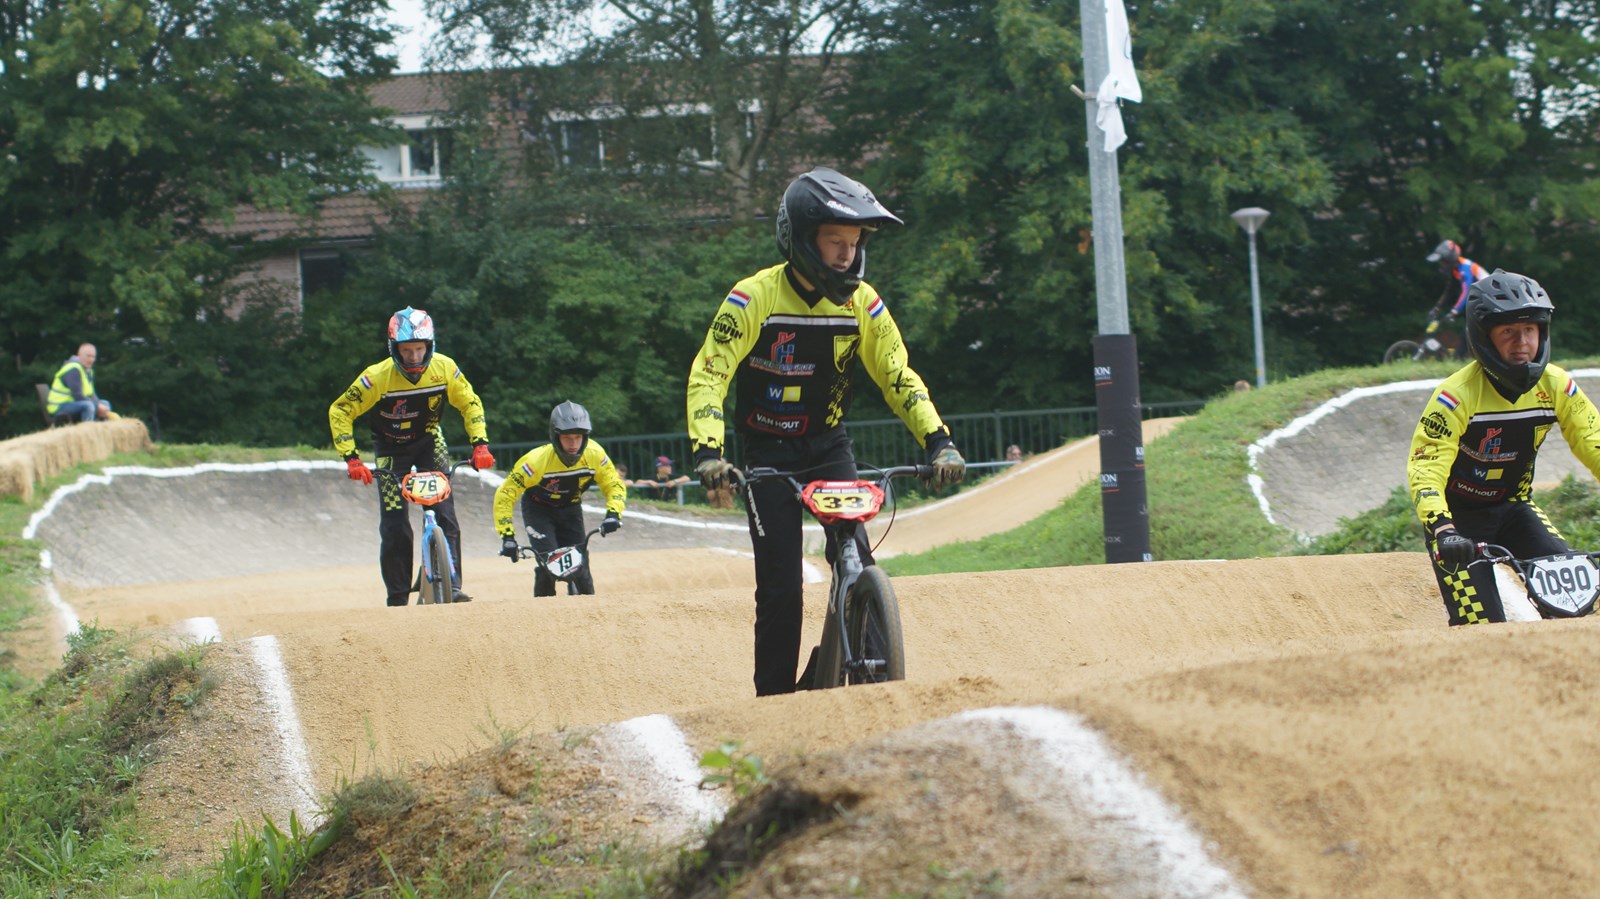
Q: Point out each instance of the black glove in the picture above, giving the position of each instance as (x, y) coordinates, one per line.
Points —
(1455, 549)
(612, 522)
(509, 548)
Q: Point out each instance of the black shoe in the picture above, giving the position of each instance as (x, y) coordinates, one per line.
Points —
(399, 600)
(461, 597)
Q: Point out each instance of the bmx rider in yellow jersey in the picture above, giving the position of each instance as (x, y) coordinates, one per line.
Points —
(792, 334)
(408, 391)
(550, 481)
(1472, 454)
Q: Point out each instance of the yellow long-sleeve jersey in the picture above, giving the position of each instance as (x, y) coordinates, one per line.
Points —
(793, 359)
(1474, 448)
(405, 411)
(554, 483)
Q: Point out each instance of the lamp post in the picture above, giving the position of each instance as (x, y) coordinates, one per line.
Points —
(1250, 219)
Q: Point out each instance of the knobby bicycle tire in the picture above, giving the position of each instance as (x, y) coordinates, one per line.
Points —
(436, 584)
(829, 657)
(1400, 351)
(872, 622)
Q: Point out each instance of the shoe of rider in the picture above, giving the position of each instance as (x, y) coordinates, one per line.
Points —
(461, 596)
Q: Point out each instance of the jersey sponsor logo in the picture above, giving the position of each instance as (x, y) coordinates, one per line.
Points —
(781, 358)
(1475, 490)
(366, 382)
(1436, 425)
(1446, 400)
(433, 403)
(844, 350)
(876, 308)
(398, 412)
(708, 411)
(738, 299)
(725, 328)
(1489, 446)
(777, 424)
(353, 395)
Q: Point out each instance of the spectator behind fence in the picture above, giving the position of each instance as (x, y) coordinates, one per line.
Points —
(72, 390)
(622, 472)
(665, 485)
(1013, 453)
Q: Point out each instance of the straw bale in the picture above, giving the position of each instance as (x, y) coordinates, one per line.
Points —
(31, 458)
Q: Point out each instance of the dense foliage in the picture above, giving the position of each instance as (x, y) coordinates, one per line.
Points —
(1370, 129)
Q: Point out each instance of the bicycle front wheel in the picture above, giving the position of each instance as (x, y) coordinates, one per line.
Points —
(1400, 351)
(436, 587)
(872, 622)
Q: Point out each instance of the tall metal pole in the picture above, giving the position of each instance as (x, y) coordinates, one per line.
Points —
(1125, 514)
(1255, 314)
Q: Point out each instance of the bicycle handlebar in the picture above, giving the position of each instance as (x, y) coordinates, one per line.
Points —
(762, 473)
(525, 551)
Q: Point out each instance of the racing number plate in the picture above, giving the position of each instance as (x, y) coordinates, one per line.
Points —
(425, 487)
(1565, 584)
(834, 501)
(564, 561)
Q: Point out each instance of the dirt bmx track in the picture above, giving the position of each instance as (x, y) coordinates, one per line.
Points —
(1310, 719)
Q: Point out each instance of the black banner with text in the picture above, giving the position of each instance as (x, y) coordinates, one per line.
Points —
(1122, 491)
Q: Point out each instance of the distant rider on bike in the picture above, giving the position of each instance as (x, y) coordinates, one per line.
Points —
(793, 333)
(550, 481)
(408, 390)
(1462, 273)
(1472, 455)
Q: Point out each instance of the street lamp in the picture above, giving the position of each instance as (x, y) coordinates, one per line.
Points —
(1250, 219)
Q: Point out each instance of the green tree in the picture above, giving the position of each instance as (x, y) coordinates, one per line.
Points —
(130, 130)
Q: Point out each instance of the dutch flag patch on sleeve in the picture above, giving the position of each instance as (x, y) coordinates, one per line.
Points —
(1448, 401)
(366, 382)
(876, 308)
(1572, 387)
(738, 299)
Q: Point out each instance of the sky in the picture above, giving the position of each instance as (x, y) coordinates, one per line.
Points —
(408, 15)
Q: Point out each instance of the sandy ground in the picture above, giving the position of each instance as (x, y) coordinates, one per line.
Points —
(1311, 717)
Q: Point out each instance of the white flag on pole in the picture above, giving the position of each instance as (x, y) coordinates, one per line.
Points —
(1121, 81)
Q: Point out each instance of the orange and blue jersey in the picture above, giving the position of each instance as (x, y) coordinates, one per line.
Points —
(1466, 271)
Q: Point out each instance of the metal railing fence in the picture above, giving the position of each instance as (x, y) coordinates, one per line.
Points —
(981, 436)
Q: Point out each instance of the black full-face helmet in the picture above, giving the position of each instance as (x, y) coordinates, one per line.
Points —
(405, 326)
(1447, 253)
(569, 418)
(1502, 298)
(819, 197)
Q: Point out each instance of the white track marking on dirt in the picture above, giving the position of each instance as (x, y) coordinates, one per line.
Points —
(655, 744)
(280, 702)
(1141, 844)
(69, 617)
(203, 630)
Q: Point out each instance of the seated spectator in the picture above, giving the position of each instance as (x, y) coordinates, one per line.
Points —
(665, 485)
(72, 390)
(1013, 453)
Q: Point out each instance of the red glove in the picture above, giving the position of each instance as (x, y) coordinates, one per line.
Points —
(481, 457)
(358, 470)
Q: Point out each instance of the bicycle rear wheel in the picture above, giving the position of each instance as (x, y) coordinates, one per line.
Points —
(1400, 351)
(436, 586)
(872, 622)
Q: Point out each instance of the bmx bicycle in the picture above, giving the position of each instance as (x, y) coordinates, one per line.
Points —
(862, 642)
(1436, 343)
(435, 582)
(1564, 585)
(564, 563)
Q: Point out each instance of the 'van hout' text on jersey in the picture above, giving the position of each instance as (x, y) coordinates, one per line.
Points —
(551, 482)
(794, 360)
(1474, 448)
(403, 412)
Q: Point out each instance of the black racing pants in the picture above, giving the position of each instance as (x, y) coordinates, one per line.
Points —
(394, 513)
(552, 527)
(776, 522)
(1470, 594)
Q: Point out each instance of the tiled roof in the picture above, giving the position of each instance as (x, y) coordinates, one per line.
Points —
(413, 94)
(345, 217)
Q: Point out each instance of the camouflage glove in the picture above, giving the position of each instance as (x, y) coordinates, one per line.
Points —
(714, 473)
(948, 467)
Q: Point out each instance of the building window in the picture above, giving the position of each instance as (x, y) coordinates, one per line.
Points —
(422, 159)
(682, 137)
(321, 271)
